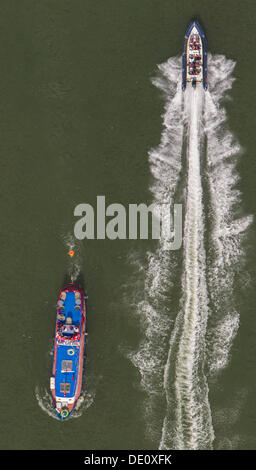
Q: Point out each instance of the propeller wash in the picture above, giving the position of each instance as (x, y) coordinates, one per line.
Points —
(182, 347)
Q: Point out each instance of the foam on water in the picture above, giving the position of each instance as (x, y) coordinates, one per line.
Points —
(166, 159)
(154, 315)
(227, 228)
(190, 426)
(44, 400)
(75, 263)
(177, 354)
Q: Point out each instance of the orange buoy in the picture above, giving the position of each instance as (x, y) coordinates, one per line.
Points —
(71, 253)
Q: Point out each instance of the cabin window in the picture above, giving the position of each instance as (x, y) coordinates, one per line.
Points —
(65, 387)
(66, 365)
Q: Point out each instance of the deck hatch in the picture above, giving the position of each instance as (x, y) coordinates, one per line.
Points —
(65, 387)
(66, 365)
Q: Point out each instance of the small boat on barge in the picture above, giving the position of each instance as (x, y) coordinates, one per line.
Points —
(70, 332)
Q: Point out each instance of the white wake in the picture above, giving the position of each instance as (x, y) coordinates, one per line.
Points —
(196, 157)
(188, 425)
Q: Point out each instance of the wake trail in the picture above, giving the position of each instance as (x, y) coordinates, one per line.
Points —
(42, 393)
(180, 352)
(228, 227)
(190, 426)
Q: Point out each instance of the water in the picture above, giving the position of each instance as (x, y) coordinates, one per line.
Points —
(193, 427)
(171, 335)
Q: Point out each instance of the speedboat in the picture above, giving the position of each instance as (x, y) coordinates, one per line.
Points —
(69, 344)
(194, 57)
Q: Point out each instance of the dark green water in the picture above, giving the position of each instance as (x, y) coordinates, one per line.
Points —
(78, 115)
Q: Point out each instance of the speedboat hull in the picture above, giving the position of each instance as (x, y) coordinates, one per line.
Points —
(194, 57)
(67, 371)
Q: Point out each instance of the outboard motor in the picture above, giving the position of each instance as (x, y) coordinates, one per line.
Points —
(194, 83)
